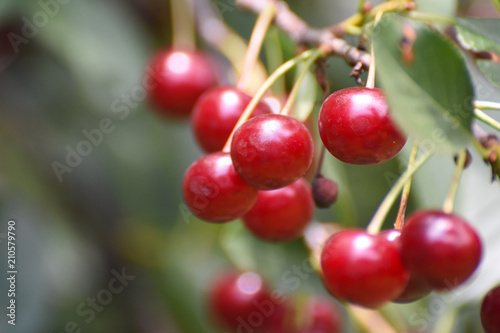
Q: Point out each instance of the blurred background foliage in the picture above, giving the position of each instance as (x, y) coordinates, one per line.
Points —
(121, 206)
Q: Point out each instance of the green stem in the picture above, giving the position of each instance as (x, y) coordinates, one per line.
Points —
(450, 199)
(183, 25)
(293, 94)
(400, 220)
(264, 20)
(263, 89)
(480, 115)
(431, 17)
(391, 196)
(485, 105)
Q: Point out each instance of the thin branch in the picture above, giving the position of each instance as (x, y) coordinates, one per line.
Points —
(301, 33)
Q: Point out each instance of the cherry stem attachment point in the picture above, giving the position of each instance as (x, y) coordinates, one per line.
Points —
(391, 196)
(264, 20)
(296, 87)
(450, 199)
(400, 219)
(263, 89)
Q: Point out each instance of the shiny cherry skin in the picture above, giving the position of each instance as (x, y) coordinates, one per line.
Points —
(242, 302)
(362, 269)
(282, 214)
(214, 192)
(440, 249)
(216, 113)
(415, 288)
(356, 127)
(271, 151)
(176, 78)
(321, 316)
(490, 310)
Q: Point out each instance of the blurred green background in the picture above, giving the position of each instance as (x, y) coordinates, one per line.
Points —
(119, 210)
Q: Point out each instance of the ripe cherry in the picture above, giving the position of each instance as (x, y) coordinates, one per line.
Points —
(242, 302)
(362, 269)
(440, 249)
(214, 192)
(282, 214)
(271, 151)
(176, 79)
(321, 316)
(415, 288)
(216, 113)
(490, 308)
(356, 127)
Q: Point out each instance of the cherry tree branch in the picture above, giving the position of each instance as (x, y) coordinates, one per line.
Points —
(301, 33)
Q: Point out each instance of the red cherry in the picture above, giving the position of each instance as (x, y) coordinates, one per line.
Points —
(322, 316)
(214, 192)
(355, 126)
(440, 249)
(242, 302)
(490, 310)
(176, 79)
(216, 113)
(415, 288)
(271, 151)
(282, 214)
(362, 269)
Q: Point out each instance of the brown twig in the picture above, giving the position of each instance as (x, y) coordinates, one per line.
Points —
(301, 33)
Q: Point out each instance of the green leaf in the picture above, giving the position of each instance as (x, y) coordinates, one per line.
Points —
(306, 96)
(482, 35)
(430, 95)
(442, 7)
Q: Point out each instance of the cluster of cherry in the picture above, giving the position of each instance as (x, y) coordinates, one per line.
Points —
(255, 172)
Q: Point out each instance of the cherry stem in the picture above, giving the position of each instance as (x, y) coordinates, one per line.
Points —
(265, 86)
(480, 115)
(370, 81)
(450, 199)
(391, 196)
(183, 25)
(446, 322)
(321, 159)
(296, 87)
(431, 17)
(371, 320)
(264, 20)
(485, 105)
(400, 220)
